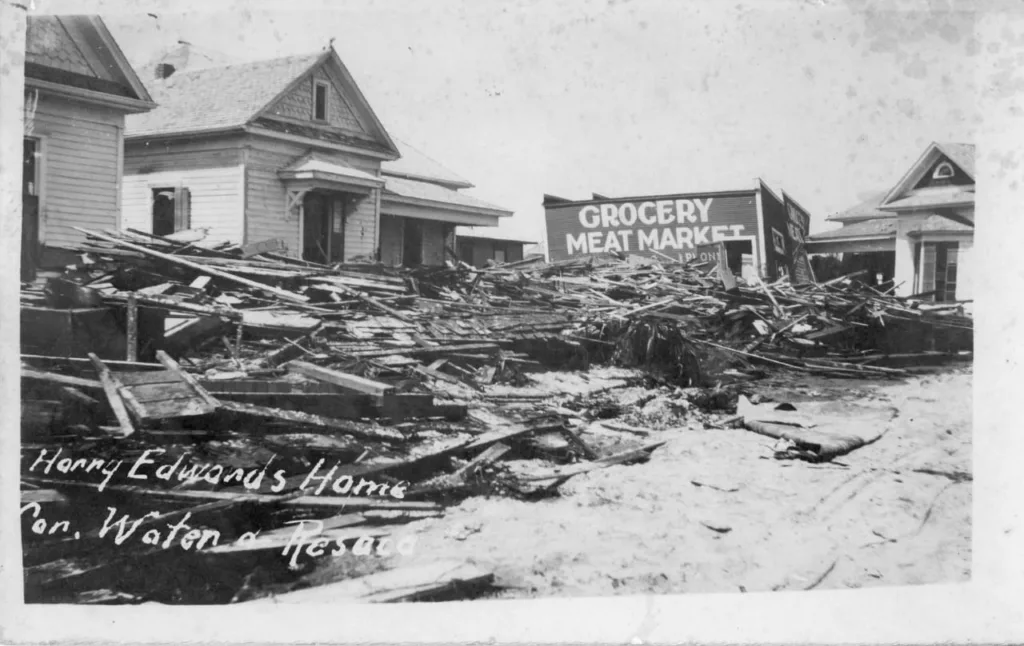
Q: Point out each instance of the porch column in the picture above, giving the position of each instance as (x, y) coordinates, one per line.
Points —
(903, 273)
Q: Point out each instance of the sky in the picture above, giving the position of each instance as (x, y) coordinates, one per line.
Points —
(829, 101)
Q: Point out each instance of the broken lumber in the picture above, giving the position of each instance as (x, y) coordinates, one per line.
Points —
(289, 296)
(307, 419)
(342, 379)
(110, 389)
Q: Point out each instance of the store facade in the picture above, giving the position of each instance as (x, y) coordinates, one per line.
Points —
(761, 231)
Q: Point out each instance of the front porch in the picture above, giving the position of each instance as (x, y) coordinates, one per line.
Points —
(322, 198)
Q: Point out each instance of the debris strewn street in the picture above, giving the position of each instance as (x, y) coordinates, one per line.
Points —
(402, 417)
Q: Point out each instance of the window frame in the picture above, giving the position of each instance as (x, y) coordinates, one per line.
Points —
(936, 174)
(317, 84)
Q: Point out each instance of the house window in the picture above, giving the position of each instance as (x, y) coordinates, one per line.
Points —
(938, 277)
(943, 171)
(172, 208)
(499, 255)
(319, 101)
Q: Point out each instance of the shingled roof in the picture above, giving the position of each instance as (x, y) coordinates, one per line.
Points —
(217, 97)
(961, 154)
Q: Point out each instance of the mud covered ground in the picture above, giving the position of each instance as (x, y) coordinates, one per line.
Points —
(714, 511)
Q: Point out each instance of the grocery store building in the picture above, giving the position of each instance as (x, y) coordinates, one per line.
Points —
(761, 231)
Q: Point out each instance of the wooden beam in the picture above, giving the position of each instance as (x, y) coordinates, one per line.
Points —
(110, 389)
(342, 379)
(286, 295)
(64, 380)
(133, 328)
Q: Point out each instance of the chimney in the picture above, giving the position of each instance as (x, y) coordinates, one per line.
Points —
(163, 70)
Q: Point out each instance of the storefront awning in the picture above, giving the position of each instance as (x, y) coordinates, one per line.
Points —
(313, 171)
(411, 198)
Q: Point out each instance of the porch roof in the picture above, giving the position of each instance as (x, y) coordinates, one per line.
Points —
(314, 169)
(400, 190)
(874, 228)
(938, 224)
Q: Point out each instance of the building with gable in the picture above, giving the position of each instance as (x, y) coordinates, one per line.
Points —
(289, 149)
(78, 89)
(920, 233)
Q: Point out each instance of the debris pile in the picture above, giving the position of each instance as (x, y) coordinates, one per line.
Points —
(202, 360)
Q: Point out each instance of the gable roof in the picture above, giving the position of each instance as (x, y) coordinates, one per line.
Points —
(214, 98)
(78, 56)
(227, 97)
(960, 154)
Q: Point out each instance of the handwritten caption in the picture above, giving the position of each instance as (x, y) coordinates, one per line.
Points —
(307, 537)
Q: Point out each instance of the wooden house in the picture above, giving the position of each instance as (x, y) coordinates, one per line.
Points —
(480, 246)
(287, 149)
(78, 89)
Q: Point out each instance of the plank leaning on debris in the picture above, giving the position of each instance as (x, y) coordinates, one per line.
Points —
(289, 296)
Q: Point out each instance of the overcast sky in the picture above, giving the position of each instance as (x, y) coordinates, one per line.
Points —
(626, 97)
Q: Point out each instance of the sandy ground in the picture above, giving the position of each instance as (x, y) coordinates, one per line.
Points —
(874, 517)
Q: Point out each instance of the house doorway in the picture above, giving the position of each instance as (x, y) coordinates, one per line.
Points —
(412, 243)
(30, 209)
(315, 228)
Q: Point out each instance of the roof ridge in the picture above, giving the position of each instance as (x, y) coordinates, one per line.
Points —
(209, 68)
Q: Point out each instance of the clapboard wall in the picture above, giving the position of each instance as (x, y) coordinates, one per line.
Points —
(266, 198)
(79, 170)
(211, 170)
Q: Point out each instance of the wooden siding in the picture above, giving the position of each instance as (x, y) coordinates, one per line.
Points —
(361, 229)
(433, 242)
(482, 250)
(217, 199)
(298, 104)
(392, 231)
(189, 154)
(79, 170)
(266, 199)
(775, 217)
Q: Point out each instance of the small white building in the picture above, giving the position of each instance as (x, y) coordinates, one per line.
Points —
(921, 230)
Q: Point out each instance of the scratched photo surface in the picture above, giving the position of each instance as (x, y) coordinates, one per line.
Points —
(410, 302)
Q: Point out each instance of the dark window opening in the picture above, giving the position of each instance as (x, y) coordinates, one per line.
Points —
(735, 251)
(30, 209)
(320, 101)
(171, 210)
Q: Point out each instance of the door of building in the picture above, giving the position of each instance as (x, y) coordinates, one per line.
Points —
(412, 246)
(315, 228)
(30, 210)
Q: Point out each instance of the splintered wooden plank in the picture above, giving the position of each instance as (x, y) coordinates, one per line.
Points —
(66, 380)
(185, 407)
(143, 378)
(402, 584)
(110, 389)
(297, 417)
(338, 378)
(295, 298)
(173, 366)
(158, 392)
